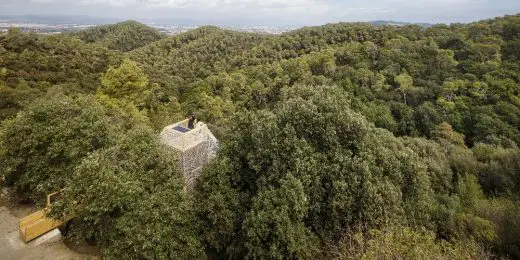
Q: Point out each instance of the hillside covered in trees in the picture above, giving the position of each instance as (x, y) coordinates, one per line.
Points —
(346, 140)
(124, 36)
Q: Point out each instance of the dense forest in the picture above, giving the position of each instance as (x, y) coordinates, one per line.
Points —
(345, 141)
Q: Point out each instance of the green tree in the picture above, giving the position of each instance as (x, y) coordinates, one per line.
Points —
(341, 167)
(127, 81)
(130, 199)
(45, 142)
(278, 214)
(403, 243)
(405, 83)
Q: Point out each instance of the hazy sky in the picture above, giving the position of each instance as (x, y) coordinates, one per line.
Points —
(270, 12)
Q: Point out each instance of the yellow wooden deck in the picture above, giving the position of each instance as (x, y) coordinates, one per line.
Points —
(37, 224)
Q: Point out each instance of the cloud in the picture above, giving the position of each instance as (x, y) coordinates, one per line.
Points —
(195, 3)
(301, 12)
(243, 3)
(223, 6)
(91, 2)
(109, 2)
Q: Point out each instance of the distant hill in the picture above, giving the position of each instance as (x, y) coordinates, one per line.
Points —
(125, 36)
(196, 53)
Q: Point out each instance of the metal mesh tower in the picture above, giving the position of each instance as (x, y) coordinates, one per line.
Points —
(195, 147)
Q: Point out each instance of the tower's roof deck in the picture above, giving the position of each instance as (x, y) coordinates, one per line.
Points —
(180, 137)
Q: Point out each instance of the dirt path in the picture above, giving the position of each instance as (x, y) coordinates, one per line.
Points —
(49, 246)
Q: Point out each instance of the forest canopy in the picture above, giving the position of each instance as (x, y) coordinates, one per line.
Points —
(345, 140)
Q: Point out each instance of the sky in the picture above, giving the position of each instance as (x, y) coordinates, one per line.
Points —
(268, 12)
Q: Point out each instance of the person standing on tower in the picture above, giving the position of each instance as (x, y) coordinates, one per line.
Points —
(191, 121)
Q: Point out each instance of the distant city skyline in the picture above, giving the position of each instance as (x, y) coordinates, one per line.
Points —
(266, 12)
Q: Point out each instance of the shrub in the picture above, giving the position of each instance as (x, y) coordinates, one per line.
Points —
(45, 142)
(403, 243)
(129, 198)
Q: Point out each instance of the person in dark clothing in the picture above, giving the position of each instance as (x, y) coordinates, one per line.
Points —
(191, 121)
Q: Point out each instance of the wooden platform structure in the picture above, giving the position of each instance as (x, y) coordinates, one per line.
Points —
(37, 224)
